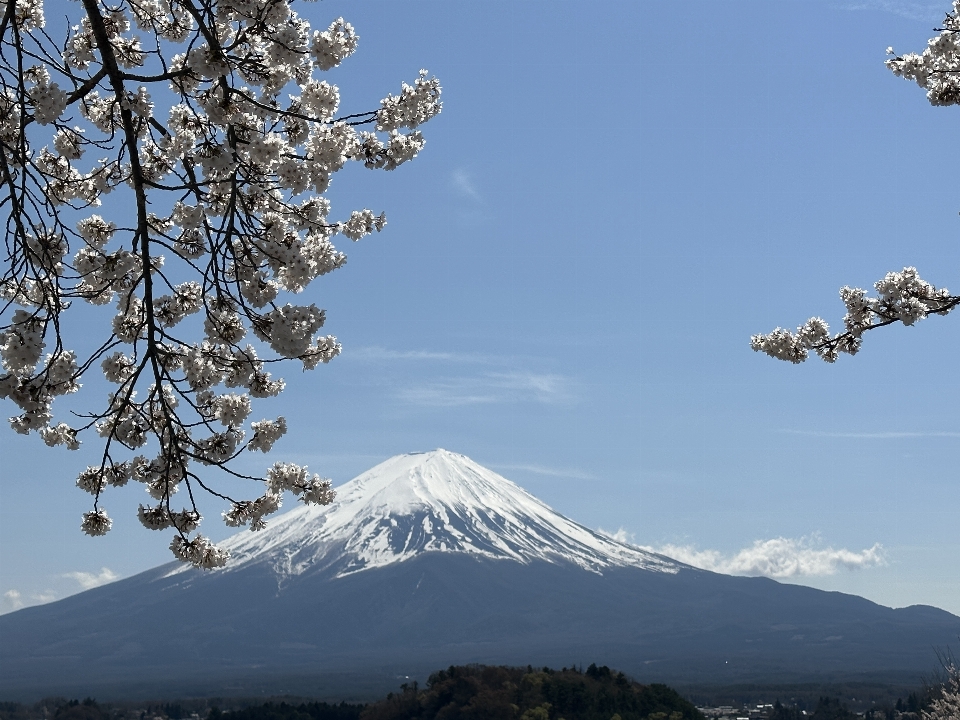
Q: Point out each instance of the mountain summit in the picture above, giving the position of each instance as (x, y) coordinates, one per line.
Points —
(436, 501)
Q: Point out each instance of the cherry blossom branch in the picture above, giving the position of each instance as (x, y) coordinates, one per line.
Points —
(902, 296)
(243, 217)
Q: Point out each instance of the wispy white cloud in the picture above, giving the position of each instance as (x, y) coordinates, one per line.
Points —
(11, 601)
(377, 353)
(490, 388)
(543, 384)
(621, 535)
(548, 471)
(504, 381)
(777, 558)
(449, 393)
(91, 580)
(464, 185)
(888, 435)
(922, 11)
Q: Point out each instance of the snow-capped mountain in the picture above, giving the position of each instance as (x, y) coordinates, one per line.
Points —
(429, 560)
(437, 501)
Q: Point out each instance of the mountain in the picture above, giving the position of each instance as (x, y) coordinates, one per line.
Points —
(428, 502)
(429, 560)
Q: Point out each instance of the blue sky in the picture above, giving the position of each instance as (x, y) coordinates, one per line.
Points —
(616, 196)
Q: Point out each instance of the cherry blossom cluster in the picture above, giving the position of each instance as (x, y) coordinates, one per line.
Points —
(946, 701)
(207, 121)
(937, 68)
(901, 297)
(282, 476)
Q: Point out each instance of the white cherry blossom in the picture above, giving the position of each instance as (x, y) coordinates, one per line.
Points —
(945, 703)
(902, 297)
(204, 138)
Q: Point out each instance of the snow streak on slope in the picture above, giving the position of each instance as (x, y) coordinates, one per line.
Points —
(429, 502)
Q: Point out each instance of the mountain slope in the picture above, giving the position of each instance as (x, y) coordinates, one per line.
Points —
(430, 560)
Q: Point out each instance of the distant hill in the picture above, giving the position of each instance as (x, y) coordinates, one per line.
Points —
(429, 560)
(457, 693)
(499, 693)
(504, 693)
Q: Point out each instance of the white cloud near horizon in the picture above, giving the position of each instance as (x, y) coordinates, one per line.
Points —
(91, 580)
(775, 558)
(12, 600)
(621, 535)
(490, 388)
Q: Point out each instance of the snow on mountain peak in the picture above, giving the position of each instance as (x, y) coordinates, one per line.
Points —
(436, 501)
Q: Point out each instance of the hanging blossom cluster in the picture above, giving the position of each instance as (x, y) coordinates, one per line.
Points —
(946, 702)
(936, 69)
(901, 296)
(208, 120)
